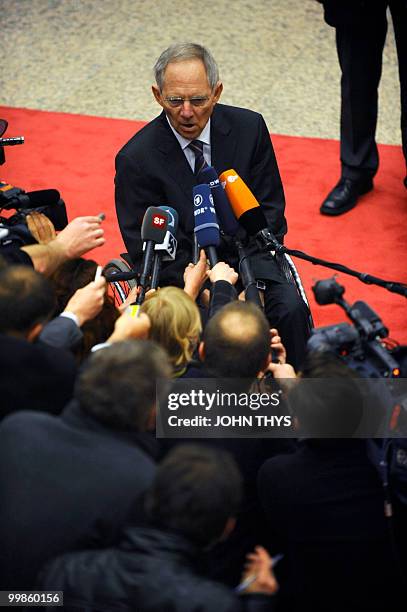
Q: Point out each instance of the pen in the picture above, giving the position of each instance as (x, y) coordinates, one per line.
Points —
(250, 579)
(98, 274)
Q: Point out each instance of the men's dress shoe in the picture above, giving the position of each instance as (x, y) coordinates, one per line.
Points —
(344, 196)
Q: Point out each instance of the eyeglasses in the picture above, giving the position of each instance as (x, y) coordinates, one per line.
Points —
(197, 101)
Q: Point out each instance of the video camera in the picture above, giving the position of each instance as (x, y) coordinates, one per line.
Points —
(361, 345)
(13, 229)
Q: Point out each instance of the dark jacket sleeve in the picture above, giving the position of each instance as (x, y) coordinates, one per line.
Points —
(61, 332)
(222, 293)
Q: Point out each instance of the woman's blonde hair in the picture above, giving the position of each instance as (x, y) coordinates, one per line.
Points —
(175, 322)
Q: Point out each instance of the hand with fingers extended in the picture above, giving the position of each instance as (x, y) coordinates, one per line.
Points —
(258, 576)
(41, 227)
(195, 275)
(81, 235)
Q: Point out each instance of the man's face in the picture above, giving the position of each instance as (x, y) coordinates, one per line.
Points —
(187, 80)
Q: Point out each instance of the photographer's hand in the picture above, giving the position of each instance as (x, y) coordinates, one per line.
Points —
(81, 235)
(41, 227)
(88, 301)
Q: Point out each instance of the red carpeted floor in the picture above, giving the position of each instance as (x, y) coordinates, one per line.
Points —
(75, 154)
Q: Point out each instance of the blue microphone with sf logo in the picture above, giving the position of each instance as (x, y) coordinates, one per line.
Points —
(206, 222)
(167, 249)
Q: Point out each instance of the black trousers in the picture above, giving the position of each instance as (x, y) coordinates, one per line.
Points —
(287, 312)
(360, 52)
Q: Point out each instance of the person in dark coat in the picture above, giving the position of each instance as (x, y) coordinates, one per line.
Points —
(191, 504)
(236, 346)
(33, 374)
(361, 27)
(157, 167)
(70, 481)
(325, 506)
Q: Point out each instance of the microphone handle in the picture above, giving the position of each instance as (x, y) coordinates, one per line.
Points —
(252, 295)
(195, 254)
(155, 275)
(145, 273)
(248, 279)
(212, 255)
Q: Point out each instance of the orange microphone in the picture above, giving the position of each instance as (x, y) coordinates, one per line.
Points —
(239, 195)
(244, 205)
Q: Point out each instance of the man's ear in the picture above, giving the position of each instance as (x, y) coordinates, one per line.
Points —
(157, 95)
(34, 332)
(217, 91)
(201, 351)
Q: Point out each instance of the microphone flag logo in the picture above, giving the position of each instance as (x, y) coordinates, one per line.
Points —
(159, 220)
(198, 199)
(232, 178)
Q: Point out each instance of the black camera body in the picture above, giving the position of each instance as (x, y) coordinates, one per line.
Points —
(358, 345)
(13, 230)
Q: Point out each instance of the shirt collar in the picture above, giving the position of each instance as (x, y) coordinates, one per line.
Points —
(205, 135)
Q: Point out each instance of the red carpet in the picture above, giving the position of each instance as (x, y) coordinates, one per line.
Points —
(75, 154)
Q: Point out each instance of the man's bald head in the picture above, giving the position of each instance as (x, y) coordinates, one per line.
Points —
(237, 341)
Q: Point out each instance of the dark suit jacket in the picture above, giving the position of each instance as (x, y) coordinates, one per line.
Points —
(325, 509)
(34, 376)
(151, 169)
(66, 482)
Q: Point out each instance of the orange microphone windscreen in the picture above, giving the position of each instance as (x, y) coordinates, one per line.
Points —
(239, 195)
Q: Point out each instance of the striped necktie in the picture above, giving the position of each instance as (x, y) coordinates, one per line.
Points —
(200, 163)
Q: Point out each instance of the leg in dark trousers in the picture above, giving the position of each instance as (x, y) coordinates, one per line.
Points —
(398, 10)
(360, 50)
(286, 311)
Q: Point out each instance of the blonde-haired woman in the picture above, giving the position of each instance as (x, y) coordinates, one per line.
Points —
(175, 324)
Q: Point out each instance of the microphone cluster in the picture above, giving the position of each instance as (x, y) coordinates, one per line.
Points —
(221, 204)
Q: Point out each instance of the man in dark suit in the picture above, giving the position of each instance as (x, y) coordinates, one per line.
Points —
(158, 166)
(361, 28)
(33, 374)
(70, 481)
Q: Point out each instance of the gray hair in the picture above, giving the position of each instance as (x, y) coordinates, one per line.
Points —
(184, 51)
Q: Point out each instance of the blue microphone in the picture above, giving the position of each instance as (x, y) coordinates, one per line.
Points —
(206, 222)
(227, 219)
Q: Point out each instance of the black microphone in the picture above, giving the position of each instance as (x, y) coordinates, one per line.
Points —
(14, 197)
(206, 222)
(231, 227)
(167, 249)
(227, 219)
(153, 230)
